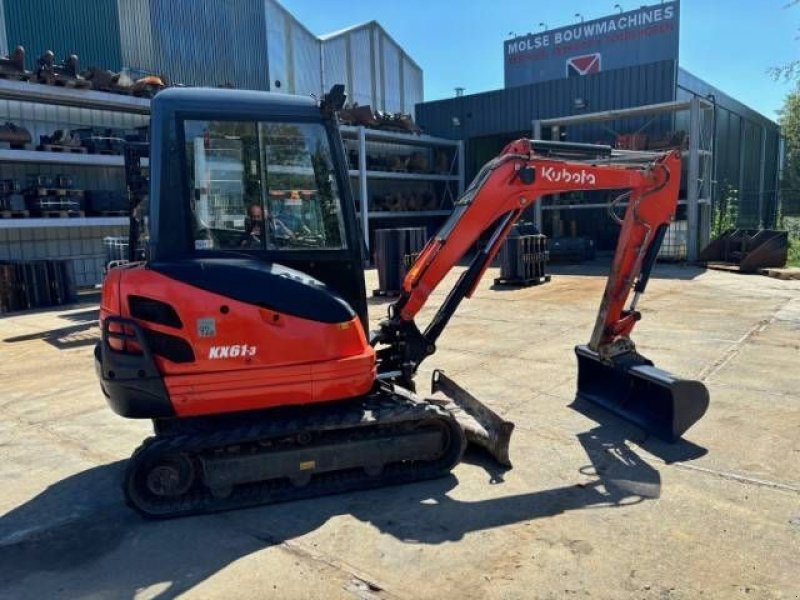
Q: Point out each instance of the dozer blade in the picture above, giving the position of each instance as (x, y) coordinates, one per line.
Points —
(632, 388)
(482, 426)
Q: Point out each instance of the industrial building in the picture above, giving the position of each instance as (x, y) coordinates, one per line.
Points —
(250, 44)
(738, 149)
(570, 83)
(253, 44)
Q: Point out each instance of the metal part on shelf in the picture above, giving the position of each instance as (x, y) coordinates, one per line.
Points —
(435, 164)
(81, 98)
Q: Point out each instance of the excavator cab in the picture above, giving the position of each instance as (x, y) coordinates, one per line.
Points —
(254, 176)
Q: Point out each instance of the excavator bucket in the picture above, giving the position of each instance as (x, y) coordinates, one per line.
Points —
(482, 426)
(632, 388)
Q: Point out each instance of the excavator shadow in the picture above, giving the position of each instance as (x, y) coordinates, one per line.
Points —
(84, 332)
(79, 531)
(64, 338)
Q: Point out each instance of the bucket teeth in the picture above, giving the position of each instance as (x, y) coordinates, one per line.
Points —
(630, 386)
(482, 426)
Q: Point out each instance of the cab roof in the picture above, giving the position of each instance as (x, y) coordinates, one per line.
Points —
(224, 102)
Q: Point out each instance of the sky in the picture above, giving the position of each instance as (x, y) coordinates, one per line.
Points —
(729, 43)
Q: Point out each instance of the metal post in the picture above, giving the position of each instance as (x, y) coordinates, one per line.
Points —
(692, 221)
(709, 162)
(742, 142)
(761, 177)
(537, 215)
(461, 164)
(537, 129)
(362, 183)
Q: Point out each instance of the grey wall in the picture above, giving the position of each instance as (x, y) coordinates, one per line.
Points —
(374, 68)
(83, 246)
(510, 112)
(490, 119)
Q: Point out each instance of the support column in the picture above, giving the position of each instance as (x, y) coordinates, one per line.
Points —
(362, 184)
(742, 142)
(692, 175)
(762, 177)
(461, 165)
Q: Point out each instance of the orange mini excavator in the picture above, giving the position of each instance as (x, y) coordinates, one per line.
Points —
(240, 327)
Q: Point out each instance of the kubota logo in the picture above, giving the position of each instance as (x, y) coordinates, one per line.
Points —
(234, 351)
(564, 175)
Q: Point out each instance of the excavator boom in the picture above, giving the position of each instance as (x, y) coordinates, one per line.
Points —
(524, 172)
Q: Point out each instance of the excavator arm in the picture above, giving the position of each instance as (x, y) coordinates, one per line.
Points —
(525, 171)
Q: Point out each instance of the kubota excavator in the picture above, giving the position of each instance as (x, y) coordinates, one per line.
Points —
(242, 330)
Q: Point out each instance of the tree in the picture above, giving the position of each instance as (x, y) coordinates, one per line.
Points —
(789, 119)
(791, 70)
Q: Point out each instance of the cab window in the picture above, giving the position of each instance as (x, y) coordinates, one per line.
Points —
(262, 186)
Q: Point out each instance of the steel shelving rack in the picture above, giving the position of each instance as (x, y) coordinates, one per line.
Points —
(362, 179)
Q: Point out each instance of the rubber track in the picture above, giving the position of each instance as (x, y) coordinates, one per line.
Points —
(382, 409)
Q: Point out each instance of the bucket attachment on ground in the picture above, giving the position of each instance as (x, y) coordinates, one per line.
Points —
(482, 426)
(747, 250)
(631, 387)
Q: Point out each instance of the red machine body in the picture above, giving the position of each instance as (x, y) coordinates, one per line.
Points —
(258, 358)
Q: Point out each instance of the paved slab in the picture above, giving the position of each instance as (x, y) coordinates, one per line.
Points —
(592, 508)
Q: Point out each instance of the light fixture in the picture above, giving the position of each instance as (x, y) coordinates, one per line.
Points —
(579, 16)
(456, 122)
(543, 26)
(618, 7)
(579, 103)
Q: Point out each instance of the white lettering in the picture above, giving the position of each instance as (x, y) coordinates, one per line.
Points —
(581, 177)
(669, 12)
(233, 351)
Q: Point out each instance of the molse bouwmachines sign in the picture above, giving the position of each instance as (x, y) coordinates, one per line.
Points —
(645, 35)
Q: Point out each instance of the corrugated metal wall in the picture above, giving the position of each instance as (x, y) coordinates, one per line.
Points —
(307, 54)
(412, 85)
(209, 42)
(738, 124)
(514, 109)
(89, 28)
(510, 112)
(294, 53)
(254, 44)
(487, 121)
(3, 37)
(136, 40)
(373, 67)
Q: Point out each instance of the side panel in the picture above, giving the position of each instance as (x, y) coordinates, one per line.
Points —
(244, 357)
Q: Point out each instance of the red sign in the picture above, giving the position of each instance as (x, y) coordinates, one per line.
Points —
(583, 65)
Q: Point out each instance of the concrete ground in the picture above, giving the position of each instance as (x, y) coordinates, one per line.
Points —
(590, 510)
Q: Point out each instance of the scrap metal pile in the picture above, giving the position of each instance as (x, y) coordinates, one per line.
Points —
(67, 73)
